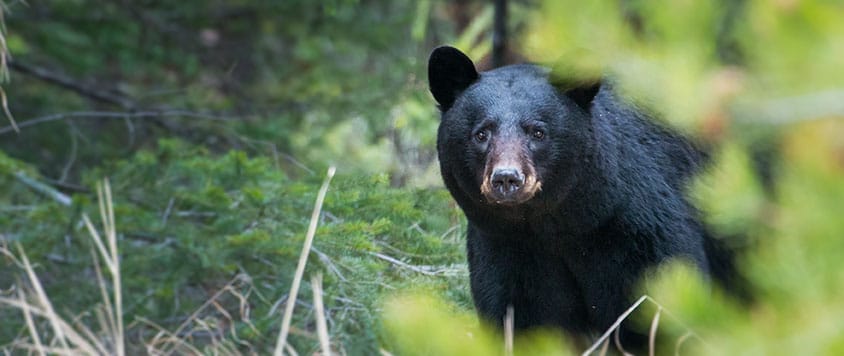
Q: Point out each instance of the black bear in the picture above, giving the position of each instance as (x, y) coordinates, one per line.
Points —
(571, 194)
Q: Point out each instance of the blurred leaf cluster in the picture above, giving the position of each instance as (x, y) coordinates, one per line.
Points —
(795, 267)
(701, 63)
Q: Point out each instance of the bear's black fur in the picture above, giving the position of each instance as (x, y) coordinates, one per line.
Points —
(570, 195)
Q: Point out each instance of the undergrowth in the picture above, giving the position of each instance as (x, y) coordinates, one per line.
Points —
(208, 246)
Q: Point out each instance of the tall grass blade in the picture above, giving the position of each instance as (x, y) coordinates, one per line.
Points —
(300, 268)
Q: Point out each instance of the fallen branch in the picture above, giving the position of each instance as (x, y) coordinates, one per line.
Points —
(426, 270)
(44, 189)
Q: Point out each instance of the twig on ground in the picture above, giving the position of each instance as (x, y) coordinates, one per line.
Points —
(150, 347)
(167, 210)
(449, 231)
(72, 159)
(329, 263)
(426, 270)
(193, 317)
(44, 189)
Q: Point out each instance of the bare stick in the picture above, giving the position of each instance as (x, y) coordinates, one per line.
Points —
(319, 312)
(5, 102)
(605, 348)
(44, 189)
(615, 325)
(193, 317)
(108, 323)
(618, 345)
(4, 68)
(30, 324)
(300, 268)
(680, 342)
(654, 324)
(426, 270)
(112, 260)
(508, 331)
(652, 336)
(83, 346)
(111, 233)
(43, 301)
(151, 346)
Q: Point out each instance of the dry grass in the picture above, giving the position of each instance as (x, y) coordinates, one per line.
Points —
(601, 345)
(4, 68)
(322, 325)
(73, 338)
(64, 336)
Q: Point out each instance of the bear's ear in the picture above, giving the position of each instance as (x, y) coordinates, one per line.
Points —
(450, 72)
(582, 95)
(582, 92)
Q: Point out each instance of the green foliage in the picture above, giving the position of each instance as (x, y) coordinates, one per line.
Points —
(425, 326)
(730, 195)
(795, 270)
(294, 78)
(697, 61)
(189, 221)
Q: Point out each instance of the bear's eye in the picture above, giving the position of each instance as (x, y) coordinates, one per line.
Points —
(538, 134)
(481, 136)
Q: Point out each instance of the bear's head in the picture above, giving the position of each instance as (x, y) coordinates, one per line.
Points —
(506, 134)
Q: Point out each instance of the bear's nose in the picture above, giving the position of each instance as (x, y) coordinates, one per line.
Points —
(507, 180)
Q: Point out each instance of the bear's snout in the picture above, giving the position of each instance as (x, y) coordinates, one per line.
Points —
(509, 185)
(507, 181)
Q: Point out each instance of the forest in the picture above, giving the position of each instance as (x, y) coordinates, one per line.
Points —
(261, 177)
